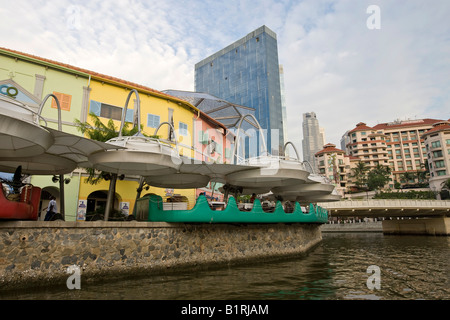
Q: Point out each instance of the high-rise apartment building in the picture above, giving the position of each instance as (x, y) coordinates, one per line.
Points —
(334, 164)
(247, 73)
(437, 146)
(397, 144)
(368, 144)
(313, 138)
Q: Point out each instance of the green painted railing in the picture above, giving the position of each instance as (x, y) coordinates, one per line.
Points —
(201, 212)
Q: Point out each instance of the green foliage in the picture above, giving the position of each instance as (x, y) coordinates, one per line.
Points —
(103, 132)
(412, 194)
(243, 198)
(360, 173)
(407, 176)
(95, 178)
(374, 179)
(418, 177)
(378, 177)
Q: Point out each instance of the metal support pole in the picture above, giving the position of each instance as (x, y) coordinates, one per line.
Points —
(225, 197)
(61, 176)
(111, 195)
(138, 193)
(62, 209)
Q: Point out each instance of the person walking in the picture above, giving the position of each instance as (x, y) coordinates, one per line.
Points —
(52, 209)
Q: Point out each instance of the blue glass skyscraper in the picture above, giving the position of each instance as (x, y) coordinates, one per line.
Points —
(247, 73)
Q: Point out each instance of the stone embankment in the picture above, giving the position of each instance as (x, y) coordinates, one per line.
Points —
(38, 253)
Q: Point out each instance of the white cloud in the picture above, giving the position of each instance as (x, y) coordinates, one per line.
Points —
(347, 73)
(333, 64)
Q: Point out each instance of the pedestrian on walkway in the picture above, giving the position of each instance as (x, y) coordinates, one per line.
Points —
(52, 209)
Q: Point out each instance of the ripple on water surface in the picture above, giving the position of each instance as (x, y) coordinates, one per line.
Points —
(411, 267)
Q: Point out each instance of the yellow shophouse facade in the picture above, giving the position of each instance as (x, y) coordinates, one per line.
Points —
(82, 92)
(107, 99)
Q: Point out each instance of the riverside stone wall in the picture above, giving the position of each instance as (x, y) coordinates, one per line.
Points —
(38, 253)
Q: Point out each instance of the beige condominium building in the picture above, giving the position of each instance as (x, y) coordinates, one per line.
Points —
(398, 144)
(437, 146)
(336, 165)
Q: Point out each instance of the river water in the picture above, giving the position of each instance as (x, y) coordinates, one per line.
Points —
(410, 267)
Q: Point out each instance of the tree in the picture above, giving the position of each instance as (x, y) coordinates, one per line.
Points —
(100, 131)
(423, 175)
(360, 173)
(103, 132)
(378, 177)
(408, 176)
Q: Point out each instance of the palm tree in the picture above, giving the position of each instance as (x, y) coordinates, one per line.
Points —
(103, 132)
(408, 176)
(100, 131)
(422, 173)
(360, 173)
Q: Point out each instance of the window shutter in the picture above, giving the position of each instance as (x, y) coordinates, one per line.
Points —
(129, 117)
(95, 107)
(64, 101)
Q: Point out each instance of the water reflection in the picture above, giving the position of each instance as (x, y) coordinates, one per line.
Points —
(411, 268)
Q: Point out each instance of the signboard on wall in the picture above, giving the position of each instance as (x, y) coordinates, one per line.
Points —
(81, 210)
(125, 208)
(15, 91)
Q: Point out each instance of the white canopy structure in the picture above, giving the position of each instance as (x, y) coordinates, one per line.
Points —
(270, 171)
(315, 185)
(20, 132)
(138, 155)
(41, 150)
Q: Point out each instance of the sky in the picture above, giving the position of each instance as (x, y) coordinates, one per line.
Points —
(349, 61)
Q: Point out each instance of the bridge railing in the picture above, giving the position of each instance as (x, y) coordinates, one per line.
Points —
(386, 203)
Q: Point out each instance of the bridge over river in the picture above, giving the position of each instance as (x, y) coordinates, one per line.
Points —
(408, 216)
(387, 208)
